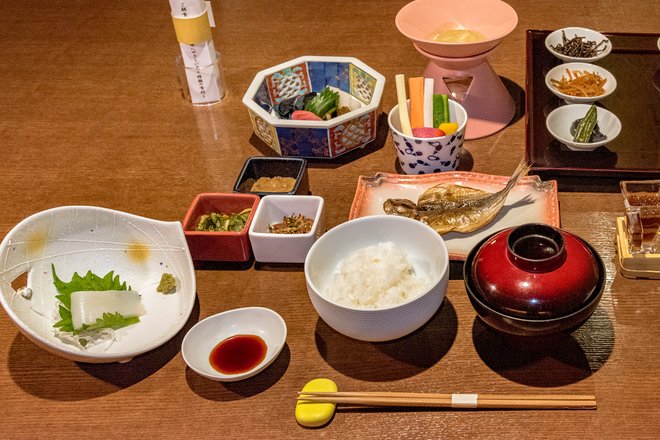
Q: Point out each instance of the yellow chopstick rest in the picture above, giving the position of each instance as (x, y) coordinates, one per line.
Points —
(314, 415)
(193, 30)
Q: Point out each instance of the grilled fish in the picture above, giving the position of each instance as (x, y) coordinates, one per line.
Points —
(448, 207)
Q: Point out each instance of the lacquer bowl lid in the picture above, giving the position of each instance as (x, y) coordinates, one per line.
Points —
(535, 271)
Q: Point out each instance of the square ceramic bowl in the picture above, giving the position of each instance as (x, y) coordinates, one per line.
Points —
(360, 88)
(257, 167)
(269, 247)
(219, 246)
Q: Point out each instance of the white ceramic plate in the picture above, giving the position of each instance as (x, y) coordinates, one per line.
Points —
(560, 119)
(209, 332)
(83, 238)
(555, 38)
(531, 200)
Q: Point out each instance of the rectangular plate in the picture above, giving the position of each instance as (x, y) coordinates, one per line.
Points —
(635, 153)
(530, 201)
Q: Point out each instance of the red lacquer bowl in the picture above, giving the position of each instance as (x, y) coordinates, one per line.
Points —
(534, 279)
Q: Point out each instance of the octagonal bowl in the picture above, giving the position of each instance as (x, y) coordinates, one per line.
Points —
(360, 89)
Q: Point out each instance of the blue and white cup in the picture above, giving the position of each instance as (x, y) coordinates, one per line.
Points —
(429, 155)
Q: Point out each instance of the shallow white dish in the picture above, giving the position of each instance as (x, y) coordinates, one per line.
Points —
(83, 238)
(555, 38)
(560, 119)
(426, 252)
(285, 248)
(209, 332)
(558, 71)
(530, 201)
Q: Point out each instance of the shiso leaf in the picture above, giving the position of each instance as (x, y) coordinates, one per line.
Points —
(90, 281)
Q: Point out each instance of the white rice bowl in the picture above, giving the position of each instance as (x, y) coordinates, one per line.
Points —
(382, 300)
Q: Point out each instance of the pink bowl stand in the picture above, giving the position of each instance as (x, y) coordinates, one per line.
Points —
(488, 103)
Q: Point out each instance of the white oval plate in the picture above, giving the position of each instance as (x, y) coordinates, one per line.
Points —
(83, 238)
(209, 332)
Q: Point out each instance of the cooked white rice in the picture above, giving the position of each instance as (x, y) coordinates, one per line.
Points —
(374, 277)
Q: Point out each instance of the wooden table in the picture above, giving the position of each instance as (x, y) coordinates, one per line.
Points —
(92, 115)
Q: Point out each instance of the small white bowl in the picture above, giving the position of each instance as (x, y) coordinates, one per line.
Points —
(555, 38)
(202, 338)
(558, 71)
(285, 248)
(560, 119)
(426, 252)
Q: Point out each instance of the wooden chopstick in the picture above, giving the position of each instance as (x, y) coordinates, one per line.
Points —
(509, 401)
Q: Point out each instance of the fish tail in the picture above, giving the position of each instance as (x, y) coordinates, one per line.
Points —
(521, 171)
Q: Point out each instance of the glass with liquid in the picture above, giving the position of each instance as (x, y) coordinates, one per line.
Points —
(641, 199)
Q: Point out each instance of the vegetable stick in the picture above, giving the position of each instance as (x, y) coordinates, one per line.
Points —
(428, 102)
(445, 109)
(438, 111)
(416, 87)
(403, 104)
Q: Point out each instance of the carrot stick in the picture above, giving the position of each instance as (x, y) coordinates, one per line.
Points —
(416, 87)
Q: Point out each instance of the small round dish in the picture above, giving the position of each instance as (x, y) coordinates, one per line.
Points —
(557, 72)
(555, 38)
(204, 336)
(560, 119)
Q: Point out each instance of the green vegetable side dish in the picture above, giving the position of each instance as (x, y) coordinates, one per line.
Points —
(217, 222)
(167, 283)
(324, 104)
(586, 126)
(89, 282)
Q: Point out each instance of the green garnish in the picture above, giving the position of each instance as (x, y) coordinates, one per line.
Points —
(89, 282)
(223, 222)
(323, 104)
(167, 283)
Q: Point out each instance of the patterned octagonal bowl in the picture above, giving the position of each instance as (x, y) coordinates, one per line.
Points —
(360, 89)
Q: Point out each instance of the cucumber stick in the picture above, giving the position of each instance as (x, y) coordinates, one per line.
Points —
(440, 110)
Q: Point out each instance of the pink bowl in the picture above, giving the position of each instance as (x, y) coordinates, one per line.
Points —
(421, 19)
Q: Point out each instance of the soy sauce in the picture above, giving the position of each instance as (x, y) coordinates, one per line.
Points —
(238, 354)
(535, 247)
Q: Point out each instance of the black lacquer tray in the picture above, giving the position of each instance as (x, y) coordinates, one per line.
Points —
(635, 153)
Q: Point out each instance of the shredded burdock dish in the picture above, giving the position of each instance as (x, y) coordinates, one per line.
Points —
(293, 224)
(580, 83)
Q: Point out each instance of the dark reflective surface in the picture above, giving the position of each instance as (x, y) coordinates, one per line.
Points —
(635, 153)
